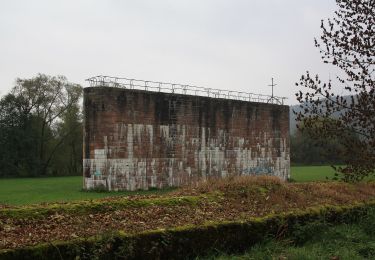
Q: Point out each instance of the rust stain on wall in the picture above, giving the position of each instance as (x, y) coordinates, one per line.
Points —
(137, 139)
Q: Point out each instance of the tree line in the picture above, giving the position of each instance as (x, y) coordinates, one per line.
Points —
(41, 131)
(308, 150)
(41, 128)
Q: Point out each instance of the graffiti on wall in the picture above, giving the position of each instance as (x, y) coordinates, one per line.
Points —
(264, 167)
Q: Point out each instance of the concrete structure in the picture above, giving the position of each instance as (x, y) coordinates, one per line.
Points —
(137, 139)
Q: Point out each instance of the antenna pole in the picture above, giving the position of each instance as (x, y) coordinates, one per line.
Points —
(272, 99)
(272, 85)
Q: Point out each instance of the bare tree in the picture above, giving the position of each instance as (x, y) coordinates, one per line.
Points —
(347, 42)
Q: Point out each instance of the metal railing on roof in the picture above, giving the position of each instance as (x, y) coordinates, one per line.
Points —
(147, 85)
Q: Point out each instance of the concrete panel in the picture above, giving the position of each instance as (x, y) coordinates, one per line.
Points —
(137, 139)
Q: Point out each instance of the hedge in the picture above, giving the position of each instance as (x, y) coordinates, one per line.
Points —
(190, 241)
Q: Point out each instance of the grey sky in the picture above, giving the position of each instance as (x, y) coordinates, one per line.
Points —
(226, 44)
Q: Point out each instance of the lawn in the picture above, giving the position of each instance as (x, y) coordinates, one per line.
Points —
(54, 189)
(37, 190)
(311, 173)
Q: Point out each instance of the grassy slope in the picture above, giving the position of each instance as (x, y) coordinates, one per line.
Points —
(37, 190)
(214, 201)
(355, 241)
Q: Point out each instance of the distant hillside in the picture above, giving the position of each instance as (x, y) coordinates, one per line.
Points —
(292, 116)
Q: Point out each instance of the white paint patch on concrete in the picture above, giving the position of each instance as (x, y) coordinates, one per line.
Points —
(100, 154)
(130, 140)
(208, 157)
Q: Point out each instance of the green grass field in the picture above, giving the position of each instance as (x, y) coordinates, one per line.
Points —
(37, 190)
(311, 173)
(54, 189)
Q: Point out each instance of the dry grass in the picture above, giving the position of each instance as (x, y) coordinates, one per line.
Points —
(232, 183)
(283, 194)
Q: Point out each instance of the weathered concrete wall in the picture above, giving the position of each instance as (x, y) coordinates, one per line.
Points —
(137, 139)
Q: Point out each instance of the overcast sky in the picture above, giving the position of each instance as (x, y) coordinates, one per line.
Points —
(226, 44)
